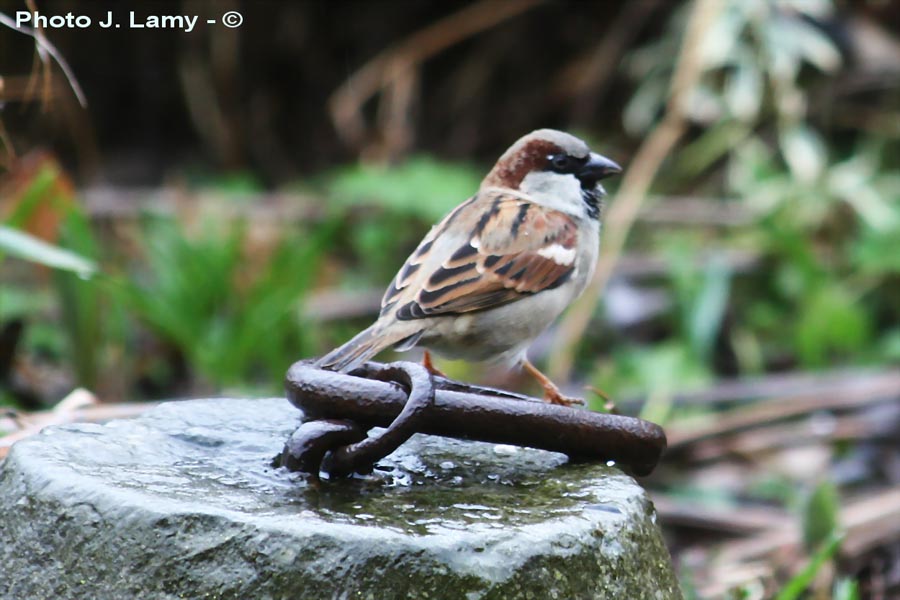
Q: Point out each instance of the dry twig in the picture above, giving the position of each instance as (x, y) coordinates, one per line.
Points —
(46, 49)
(742, 521)
(881, 388)
(588, 77)
(393, 70)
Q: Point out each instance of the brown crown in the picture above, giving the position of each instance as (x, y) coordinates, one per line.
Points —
(518, 162)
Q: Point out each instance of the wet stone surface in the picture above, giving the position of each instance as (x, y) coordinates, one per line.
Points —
(184, 503)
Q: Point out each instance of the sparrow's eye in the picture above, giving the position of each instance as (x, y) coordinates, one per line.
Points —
(563, 163)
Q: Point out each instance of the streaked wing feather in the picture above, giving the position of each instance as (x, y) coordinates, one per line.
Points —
(516, 248)
(412, 268)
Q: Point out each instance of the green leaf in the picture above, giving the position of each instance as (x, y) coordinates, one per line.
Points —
(831, 321)
(820, 515)
(27, 247)
(890, 345)
(708, 308)
(715, 143)
(34, 195)
(854, 182)
(751, 166)
(812, 43)
(85, 311)
(704, 105)
(846, 589)
(744, 90)
(877, 251)
(804, 152)
(645, 104)
(658, 372)
(719, 42)
(781, 57)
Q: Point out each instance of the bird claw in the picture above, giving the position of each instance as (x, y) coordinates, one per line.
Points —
(557, 398)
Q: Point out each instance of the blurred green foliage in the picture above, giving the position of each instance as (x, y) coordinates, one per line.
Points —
(389, 208)
(195, 293)
(419, 186)
(233, 327)
(825, 214)
(85, 312)
(820, 285)
(753, 56)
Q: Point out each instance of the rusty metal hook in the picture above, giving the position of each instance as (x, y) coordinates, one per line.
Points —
(338, 409)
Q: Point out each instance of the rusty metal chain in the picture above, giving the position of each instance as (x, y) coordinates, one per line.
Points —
(339, 409)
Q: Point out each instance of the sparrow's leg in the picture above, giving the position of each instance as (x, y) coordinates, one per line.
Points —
(429, 366)
(551, 392)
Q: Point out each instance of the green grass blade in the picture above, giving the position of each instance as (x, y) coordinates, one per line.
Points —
(27, 247)
(796, 586)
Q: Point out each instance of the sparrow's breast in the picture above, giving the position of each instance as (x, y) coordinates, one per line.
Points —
(588, 251)
(503, 333)
(498, 333)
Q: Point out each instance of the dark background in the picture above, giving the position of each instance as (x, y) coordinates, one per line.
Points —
(265, 85)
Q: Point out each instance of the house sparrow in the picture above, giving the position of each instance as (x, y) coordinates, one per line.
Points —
(497, 270)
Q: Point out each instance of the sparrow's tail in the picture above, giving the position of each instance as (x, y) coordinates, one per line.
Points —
(364, 346)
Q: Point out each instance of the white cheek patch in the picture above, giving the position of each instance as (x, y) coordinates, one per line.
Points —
(558, 254)
(554, 190)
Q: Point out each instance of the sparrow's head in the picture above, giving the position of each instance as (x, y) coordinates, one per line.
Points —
(555, 169)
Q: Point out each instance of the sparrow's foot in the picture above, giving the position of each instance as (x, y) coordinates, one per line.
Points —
(429, 366)
(551, 391)
(554, 397)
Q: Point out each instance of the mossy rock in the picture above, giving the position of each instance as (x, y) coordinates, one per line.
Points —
(183, 502)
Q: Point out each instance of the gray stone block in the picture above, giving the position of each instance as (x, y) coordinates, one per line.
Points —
(183, 503)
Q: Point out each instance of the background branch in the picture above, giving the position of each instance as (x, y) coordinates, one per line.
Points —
(393, 68)
(639, 175)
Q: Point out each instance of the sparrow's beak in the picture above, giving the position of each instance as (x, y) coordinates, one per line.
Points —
(598, 167)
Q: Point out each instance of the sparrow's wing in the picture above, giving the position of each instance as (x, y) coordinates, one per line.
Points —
(498, 248)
